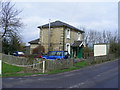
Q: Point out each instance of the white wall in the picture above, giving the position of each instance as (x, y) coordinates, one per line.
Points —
(100, 50)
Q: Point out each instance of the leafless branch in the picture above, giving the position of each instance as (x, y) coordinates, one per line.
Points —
(9, 18)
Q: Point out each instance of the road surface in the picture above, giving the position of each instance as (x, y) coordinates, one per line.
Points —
(103, 75)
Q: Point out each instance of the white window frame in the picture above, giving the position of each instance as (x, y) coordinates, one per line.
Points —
(79, 36)
(68, 33)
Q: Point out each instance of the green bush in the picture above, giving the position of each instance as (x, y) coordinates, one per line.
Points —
(114, 48)
(86, 50)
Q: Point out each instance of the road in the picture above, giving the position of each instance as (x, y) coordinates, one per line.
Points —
(103, 75)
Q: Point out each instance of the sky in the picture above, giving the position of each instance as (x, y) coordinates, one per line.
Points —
(90, 15)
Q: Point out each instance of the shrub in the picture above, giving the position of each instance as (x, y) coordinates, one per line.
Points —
(114, 48)
(38, 50)
(87, 52)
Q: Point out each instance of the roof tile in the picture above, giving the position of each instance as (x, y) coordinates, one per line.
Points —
(58, 24)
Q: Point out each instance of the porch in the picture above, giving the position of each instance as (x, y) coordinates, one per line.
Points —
(77, 49)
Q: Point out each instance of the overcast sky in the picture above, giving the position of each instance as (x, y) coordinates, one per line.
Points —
(91, 15)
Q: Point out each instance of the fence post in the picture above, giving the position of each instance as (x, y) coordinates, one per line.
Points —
(43, 66)
(0, 67)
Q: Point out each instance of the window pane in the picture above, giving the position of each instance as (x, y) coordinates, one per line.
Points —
(68, 33)
(59, 54)
(79, 35)
(52, 53)
(65, 53)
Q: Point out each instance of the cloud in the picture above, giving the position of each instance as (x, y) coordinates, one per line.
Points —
(102, 25)
(34, 20)
(31, 32)
(27, 5)
(96, 25)
(65, 0)
(92, 15)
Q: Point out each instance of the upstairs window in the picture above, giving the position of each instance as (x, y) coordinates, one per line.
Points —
(79, 36)
(68, 33)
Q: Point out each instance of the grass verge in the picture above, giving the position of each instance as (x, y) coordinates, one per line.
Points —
(7, 68)
(11, 71)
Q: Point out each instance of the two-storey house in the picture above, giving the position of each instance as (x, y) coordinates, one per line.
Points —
(60, 36)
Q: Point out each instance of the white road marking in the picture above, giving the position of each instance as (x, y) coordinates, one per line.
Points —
(76, 86)
(98, 75)
(20, 78)
(10, 78)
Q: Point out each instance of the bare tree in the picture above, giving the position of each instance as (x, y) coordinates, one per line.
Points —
(109, 36)
(10, 23)
(104, 36)
(85, 38)
(115, 36)
(92, 37)
(98, 37)
(86, 35)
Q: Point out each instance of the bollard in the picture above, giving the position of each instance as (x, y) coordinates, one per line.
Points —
(43, 66)
(0, 67)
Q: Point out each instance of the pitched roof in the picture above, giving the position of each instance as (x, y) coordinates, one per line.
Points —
(59, 24)
(34, 41)
(77, 43)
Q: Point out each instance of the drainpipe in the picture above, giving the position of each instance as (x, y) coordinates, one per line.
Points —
(63, 37)
(49, 37)
(41, 37)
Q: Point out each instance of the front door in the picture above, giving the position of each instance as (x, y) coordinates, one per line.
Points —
(79, 55)
(75, 52)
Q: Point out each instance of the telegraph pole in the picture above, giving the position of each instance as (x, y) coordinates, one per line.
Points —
(49, 37)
